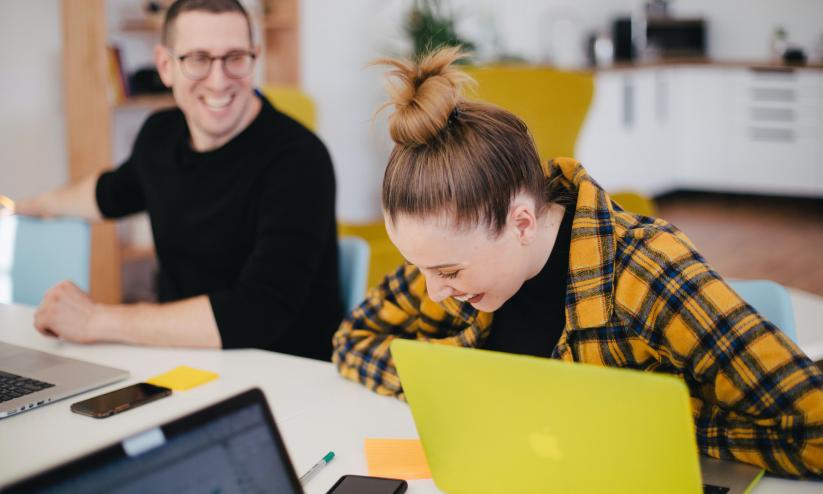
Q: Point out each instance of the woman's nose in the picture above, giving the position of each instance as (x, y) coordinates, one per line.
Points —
(438, 289)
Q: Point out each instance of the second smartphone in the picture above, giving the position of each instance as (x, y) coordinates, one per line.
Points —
(359, 484)
(120, 400)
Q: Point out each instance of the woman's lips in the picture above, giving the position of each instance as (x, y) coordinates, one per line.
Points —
(470, 298)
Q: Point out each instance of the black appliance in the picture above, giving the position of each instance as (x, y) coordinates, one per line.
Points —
(624, 49)
(670, 37)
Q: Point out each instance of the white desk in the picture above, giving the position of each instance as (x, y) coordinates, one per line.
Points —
(316, 410)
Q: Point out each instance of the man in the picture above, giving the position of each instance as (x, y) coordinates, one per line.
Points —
(241, 201)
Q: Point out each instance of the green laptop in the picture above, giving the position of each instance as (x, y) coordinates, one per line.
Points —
(493, 422)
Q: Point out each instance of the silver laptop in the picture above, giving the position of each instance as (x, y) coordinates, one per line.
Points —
(30, 378)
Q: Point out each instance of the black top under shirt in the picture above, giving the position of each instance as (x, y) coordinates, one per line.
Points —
(250, 224)
(530, 323)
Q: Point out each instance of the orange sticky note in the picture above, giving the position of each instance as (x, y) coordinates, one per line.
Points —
(397, 458)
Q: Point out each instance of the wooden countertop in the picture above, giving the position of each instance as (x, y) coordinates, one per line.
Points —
(686, 61)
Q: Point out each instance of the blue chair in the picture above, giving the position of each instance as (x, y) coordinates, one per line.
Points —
(354, 270)
(37, 254)
(771, 300)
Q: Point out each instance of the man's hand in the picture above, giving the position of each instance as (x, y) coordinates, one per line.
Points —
(76, 199)
(69, 313)
(33, 206)
(66, 312)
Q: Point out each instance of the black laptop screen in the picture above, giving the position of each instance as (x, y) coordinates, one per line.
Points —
(214, 451)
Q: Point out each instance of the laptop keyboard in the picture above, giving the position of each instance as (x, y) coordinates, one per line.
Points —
(714, 489)
(13, 386)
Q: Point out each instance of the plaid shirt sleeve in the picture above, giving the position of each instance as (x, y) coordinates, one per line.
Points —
(399, 308)
(756, 397)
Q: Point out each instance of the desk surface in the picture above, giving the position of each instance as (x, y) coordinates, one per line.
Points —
(316, 410)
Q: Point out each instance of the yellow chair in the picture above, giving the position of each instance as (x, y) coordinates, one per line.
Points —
(293, 102)
(552, 103)
(635, 203)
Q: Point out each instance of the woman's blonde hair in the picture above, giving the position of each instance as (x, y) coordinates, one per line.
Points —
(465, 158)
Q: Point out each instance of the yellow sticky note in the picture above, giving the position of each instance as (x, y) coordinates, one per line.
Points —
(397, 458)
(182, 378)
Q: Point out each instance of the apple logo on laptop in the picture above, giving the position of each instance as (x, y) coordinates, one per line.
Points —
(546, 445)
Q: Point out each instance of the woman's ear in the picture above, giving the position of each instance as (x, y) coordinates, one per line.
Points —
(524, 222)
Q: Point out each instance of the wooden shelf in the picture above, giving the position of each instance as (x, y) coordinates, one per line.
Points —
(147, 101)
(278, 24)
(130, 253)
(145, 25)
(279, 21)
(279, 14)
(281, 25)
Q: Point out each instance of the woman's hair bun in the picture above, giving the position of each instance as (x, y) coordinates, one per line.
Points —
(424, 94)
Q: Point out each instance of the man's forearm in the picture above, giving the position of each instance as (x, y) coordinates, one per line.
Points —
(187, 323)
(77, 199)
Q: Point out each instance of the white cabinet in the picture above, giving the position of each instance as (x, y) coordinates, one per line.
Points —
(603, 143)
(654, 129)
(776, 131)
(702, 99)
(706, 127)
(626, 135)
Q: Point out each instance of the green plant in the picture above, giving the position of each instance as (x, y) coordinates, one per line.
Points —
(430, 27)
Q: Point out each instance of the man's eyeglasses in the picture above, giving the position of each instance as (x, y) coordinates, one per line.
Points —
(197, 65)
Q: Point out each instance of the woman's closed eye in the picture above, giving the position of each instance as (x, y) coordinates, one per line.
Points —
(449, 275)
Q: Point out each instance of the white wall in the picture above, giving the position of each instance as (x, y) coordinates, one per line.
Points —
(32, 125)
(742, 29)
(338, 40)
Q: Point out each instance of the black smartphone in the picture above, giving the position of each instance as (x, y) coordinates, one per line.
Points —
(120, 400)
(359, 484)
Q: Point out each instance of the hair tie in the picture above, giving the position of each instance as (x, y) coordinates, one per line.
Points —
(453, 116)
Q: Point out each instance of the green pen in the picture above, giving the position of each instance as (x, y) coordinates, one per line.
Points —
(317, 466)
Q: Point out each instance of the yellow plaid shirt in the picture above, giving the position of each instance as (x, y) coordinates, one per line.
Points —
(638, 296)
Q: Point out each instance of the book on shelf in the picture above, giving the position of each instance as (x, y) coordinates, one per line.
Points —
(118, 82)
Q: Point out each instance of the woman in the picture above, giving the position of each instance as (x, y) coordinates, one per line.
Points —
(508, 255)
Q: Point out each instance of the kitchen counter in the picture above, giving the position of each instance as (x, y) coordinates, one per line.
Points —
(701, 61)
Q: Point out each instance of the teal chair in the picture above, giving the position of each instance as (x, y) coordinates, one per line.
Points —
(354, 270)
(771, 300)
(37, 254)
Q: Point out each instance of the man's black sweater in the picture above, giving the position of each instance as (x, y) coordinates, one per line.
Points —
(250, 224)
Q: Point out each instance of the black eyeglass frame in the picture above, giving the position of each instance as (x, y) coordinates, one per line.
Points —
(182, 60)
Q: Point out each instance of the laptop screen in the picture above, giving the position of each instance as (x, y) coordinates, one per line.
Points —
(232, 446)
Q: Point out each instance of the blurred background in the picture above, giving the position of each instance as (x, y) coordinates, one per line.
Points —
(706, 113)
